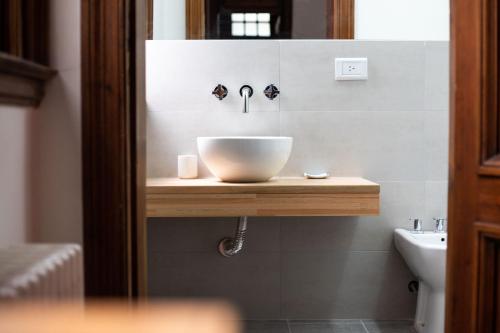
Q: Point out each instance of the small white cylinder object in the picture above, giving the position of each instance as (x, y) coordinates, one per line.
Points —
(187, 166)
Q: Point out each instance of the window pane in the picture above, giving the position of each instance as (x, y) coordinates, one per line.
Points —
(250, 29)
(237, 29)
(237, 17)
(263, 17)
(264, 29)
(251, 17)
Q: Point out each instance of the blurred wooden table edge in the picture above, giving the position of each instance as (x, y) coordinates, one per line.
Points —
(117, 317)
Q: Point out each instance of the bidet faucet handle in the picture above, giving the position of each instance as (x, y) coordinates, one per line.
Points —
(440, 225)
(220, 92)
(271, 91)
(417, 224)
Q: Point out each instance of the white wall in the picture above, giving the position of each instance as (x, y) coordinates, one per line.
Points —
(57, 203)
(15, 189)
(169, 17)
(392, 129)
(40, 168)
(402, 19)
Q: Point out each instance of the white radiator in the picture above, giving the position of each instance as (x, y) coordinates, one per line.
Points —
(41, 272)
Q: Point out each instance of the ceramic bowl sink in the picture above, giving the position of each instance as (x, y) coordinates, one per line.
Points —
(245, 159)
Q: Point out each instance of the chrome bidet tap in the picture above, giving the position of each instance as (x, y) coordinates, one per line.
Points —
(417, 225)
(440, 225)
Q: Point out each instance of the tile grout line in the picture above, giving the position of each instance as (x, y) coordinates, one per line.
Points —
(364, 326)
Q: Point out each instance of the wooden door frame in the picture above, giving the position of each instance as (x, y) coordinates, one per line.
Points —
(149, 18)
(340, 19)
(474, 215)
(113, 147)
(195, 19)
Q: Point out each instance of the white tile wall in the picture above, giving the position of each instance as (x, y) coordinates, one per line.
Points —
(392, 129)
(396, 78)
(382, 146)
(436, 132)
(436, 202)
(437, 76)
(181, 75)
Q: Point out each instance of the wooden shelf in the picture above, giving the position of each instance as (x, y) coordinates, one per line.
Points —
(335, 196)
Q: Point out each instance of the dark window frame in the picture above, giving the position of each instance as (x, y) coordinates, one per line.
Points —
(24, 51)
(340, 19)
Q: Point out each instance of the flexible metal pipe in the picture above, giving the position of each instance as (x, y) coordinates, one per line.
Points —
(229, 247)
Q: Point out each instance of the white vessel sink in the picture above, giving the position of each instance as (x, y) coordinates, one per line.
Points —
(245, 159)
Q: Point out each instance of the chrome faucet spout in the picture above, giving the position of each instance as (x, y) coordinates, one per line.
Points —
(246, 92)
(246, 101)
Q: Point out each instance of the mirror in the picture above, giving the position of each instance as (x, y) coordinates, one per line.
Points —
(299, 19)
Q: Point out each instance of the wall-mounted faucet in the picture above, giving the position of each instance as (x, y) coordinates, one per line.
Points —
(271, 92)
(246, 92)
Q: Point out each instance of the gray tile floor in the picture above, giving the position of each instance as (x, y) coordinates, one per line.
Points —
(327, 326)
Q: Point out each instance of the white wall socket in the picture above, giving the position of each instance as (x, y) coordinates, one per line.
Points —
(351, 68)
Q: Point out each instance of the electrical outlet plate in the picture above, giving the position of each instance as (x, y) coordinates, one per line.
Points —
(351, 69)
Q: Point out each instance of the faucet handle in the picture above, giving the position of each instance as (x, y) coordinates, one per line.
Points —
(417, 224)
(440, 225)
(271, 91)
(220, 92)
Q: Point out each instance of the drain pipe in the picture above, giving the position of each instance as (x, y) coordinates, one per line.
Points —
(229, 247)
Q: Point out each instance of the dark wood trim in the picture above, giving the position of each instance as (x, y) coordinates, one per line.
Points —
(465, 106)
(11, 20)
(23, 51)
(22, 81)
(195, 19)
(490, 107)
(112, 125)
(340, 19)
(35, 31)
(25, 29)
(24, 68)
(149, 18)
(138, 149)
(473, 256)
(487, 276)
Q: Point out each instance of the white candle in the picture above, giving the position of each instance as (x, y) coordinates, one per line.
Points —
(187, 166)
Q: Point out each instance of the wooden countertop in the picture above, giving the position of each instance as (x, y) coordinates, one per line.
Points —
(334, 196)
(275, 185)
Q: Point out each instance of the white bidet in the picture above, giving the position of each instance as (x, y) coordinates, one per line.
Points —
(425, 254)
